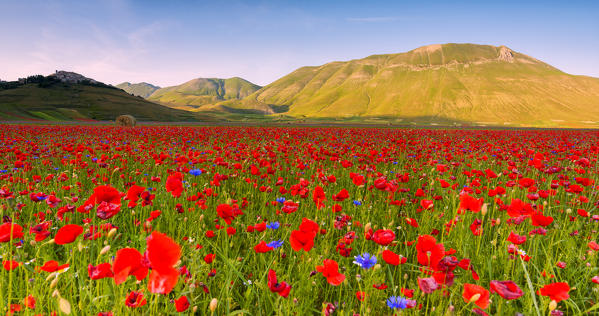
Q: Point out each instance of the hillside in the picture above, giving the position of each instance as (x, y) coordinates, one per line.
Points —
(49, 98)
(196, 93)
(449, 83)
(142, 89)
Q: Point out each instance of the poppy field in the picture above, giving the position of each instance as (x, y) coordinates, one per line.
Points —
(100, 220)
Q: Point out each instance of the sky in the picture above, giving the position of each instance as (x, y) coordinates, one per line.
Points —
(169, 42)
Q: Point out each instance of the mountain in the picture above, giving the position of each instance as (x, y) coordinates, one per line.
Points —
(70, 96)
(196, 93)
(142, 89)
(449, 83)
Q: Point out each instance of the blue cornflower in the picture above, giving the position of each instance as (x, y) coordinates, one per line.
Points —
(195, 172)
(281, 200)
(397, 302)
(358, 203)
(273, 225)
(365, 260)
(275, 244)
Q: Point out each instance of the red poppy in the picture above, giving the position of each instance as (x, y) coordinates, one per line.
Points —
(593, 245)
(51, 266)
(162, 253)
(469, 203)
(102, 270)
(383, 237)
(319, 197)
(9, 231)
(556, 291)
(392, 258)
(29, 301)
(108, 199)
(506, 289)
(516, 239)
(262, 247)
(135, 299)
(133, 194)
(304, 237)
(67, 234)
(282, 288)
(129, 261)
(470, 293)
(174, 184)
(427, 285)
(538, 219)
(182, 304)
(330, 270)
(10, 264)
(429, 252)
(341, 196)
(518, 208)
(226, 212)
(209, 258)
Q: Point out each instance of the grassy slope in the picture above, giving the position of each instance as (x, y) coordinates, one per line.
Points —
(141, 89)
(453, 82)
(196, 93)
(68, 102)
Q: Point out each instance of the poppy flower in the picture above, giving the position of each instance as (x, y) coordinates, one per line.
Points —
(429, 252)
(330, 270)
(392, 258)
(383, 237)
(341, 196)
(105, 195)
(133, 195)
(476, 294)
(9, 231)
(469, 203)
(67, 234)
(174, 184)
(427, 285)
(516, 239)
(556, 291)
(102, 270)
(282, 288)
(506, 289)
(10, 264)
(162, 253)
(52, 266)
(129, 261)
(182, 304)
(593, 245)
(226, 212)
(319, 197)
(262, 247)
(29, 301)
(538, 219)
(135, 299)
(304, 237)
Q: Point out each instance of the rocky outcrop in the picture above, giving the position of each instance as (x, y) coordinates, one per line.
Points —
(505, 54)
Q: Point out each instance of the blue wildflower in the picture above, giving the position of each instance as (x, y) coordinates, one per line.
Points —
(195, 172)
(358, 203)
(281, 200)
(275, 244)
(397, 302)
(365, 260)
(273, 225)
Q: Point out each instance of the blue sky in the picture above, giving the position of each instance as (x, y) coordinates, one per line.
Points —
(170, 42)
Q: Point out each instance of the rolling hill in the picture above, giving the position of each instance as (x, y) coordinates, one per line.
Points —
(194, 94)
(449, 84)
(58, 98)
(142, 89)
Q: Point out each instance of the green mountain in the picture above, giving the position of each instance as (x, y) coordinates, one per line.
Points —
(449, 83)
(196, 93)
(70, 96)
(142, 89)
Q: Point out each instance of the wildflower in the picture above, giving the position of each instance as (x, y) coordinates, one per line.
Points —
(365, 261)
(195, 172)
(273, 225)
(397, 302)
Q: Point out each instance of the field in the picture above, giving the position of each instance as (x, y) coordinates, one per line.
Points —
(100, 220)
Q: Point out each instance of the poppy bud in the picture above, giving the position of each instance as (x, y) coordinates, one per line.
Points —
(483, 209)
(195, 309)
(53, 283)
(64, 305)
(367, 227)
(105, 250)
(80, 246)
(213, 304)
(552, 305)
(111, 233)
(55, 293)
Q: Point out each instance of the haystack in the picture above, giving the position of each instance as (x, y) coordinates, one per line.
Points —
(125, 120)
